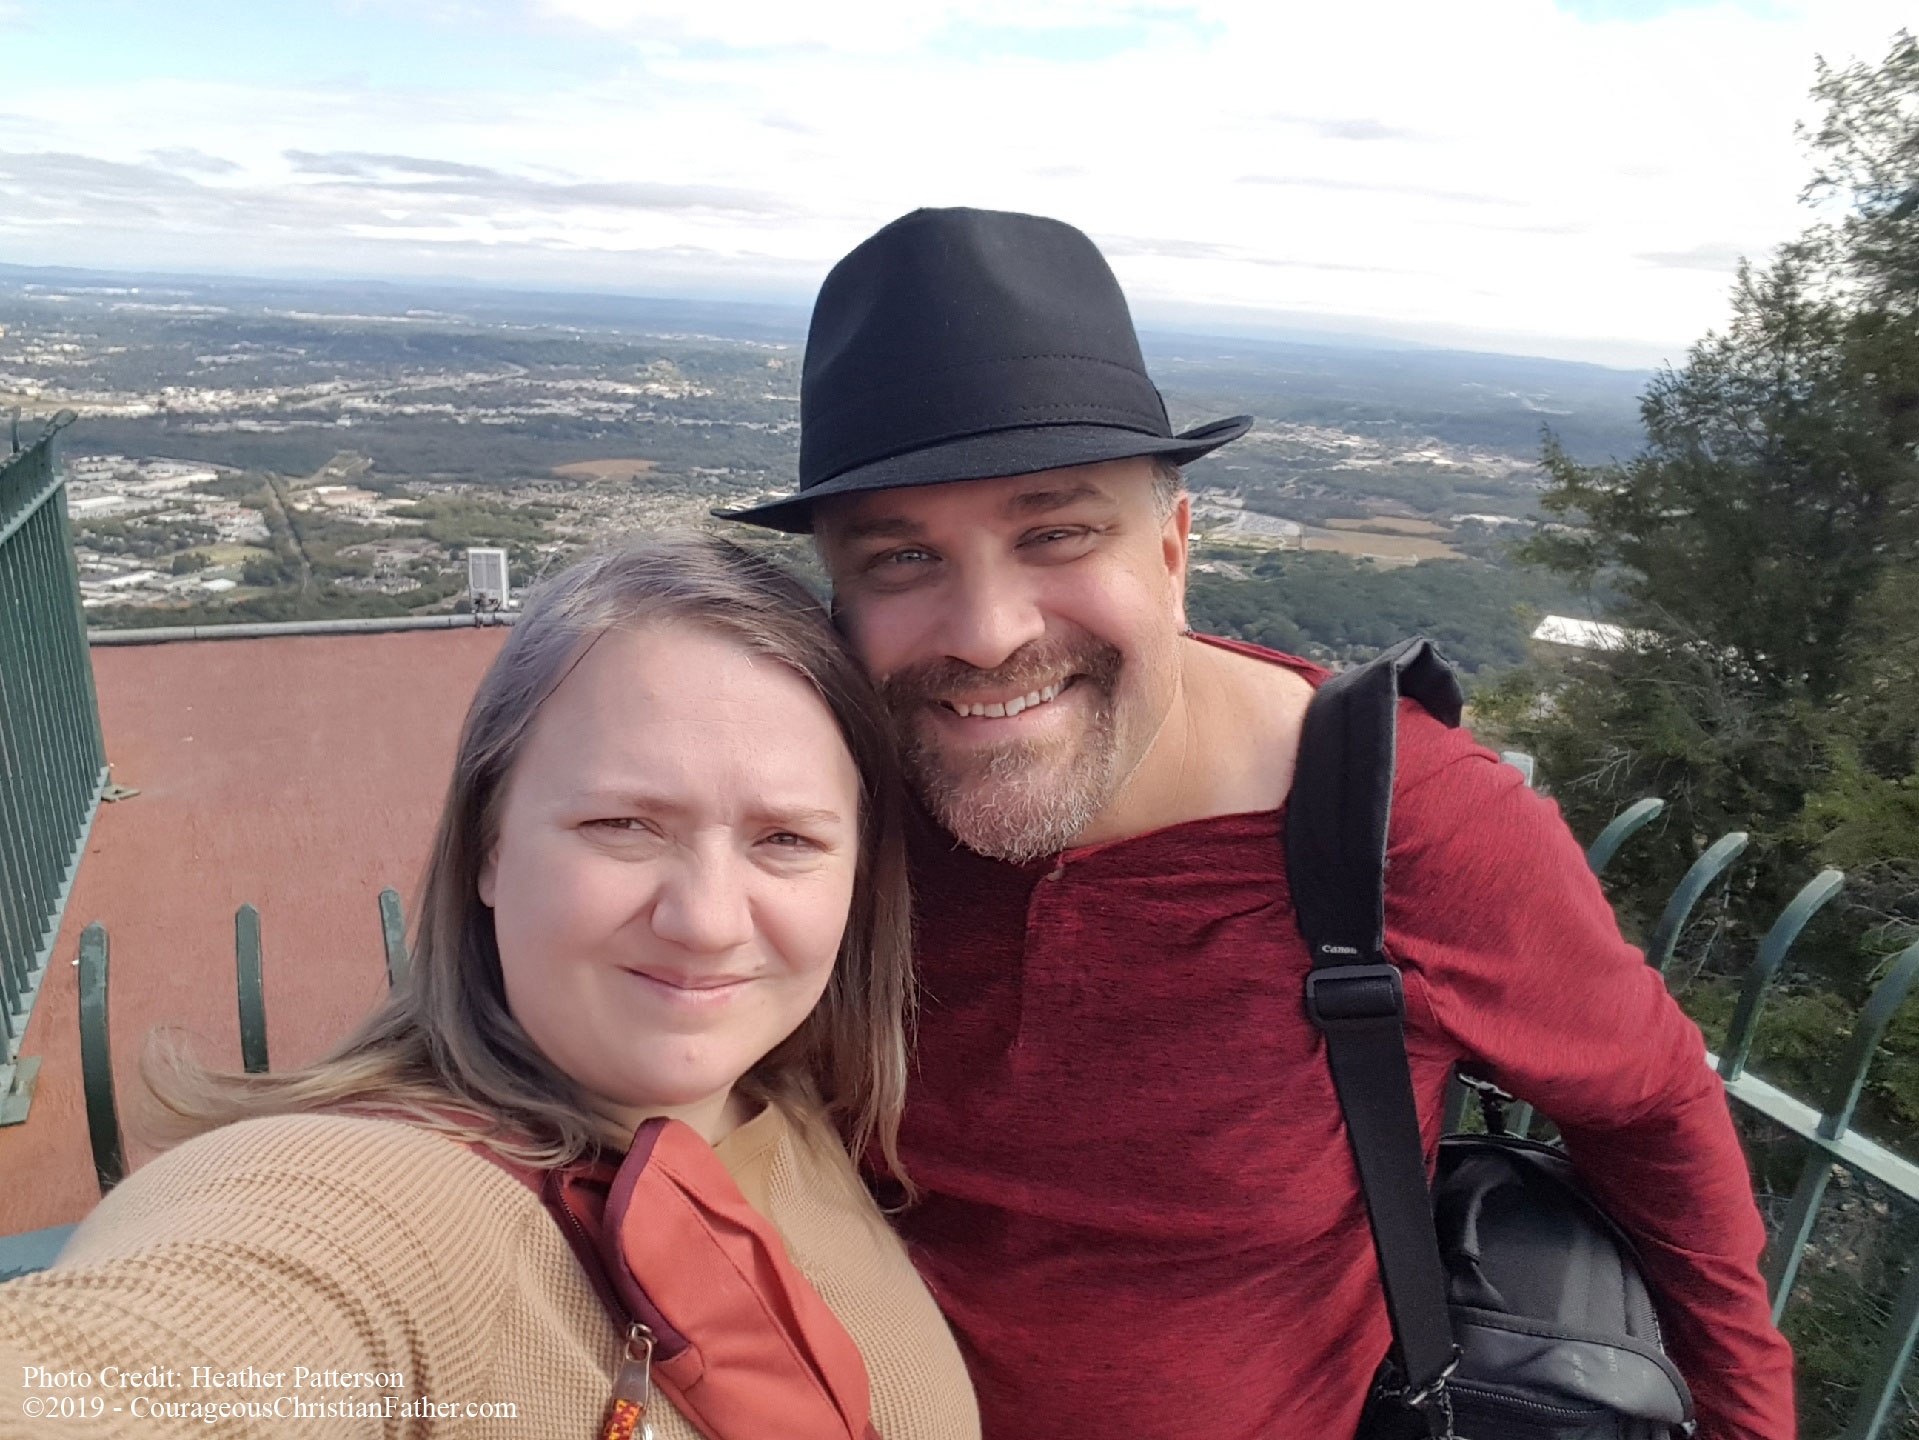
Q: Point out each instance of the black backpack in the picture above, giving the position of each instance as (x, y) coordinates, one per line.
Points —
(1518, 1308)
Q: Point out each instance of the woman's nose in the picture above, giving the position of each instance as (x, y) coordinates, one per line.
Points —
(702, 905)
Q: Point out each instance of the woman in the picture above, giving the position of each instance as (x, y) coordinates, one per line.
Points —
(666, 899)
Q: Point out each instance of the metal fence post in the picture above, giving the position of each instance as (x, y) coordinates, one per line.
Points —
(252, 990)
(1887, 996)
(1706, 869)
(393, 932)
(1626, 824)
(1772, 950)
(96, 1060)
(1874, 1406)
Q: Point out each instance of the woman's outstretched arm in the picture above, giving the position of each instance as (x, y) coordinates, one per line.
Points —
(305, 1274)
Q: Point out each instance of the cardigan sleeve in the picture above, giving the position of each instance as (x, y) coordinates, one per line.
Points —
(241, 1268)
(1512, 953)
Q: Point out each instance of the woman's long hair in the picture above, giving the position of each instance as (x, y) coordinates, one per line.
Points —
(444, 1050)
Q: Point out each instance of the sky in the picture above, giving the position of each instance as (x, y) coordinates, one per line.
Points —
(1576, 178)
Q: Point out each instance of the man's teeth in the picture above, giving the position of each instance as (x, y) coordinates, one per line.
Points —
(1004, 710)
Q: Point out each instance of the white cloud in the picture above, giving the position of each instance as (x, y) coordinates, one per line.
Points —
(855, 27)
(1501, 167)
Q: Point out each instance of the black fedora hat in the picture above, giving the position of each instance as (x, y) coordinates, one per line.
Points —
(969, 344)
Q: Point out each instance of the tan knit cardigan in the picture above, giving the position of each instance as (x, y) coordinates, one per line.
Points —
(272, 1252)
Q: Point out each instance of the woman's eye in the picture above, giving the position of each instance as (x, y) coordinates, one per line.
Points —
(788, 840)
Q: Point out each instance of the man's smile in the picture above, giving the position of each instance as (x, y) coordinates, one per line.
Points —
(1008, 706)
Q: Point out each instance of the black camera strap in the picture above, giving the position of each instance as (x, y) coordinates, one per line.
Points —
(1336, 826)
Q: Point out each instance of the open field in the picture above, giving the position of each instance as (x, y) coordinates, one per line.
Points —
(606, 470)
(1402, 549)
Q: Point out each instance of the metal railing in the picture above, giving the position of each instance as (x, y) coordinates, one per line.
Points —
(37, 1249)
(96, 1063)
(52, 759)
(1832, 1145)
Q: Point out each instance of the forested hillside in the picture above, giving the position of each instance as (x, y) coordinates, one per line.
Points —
(1335, 608)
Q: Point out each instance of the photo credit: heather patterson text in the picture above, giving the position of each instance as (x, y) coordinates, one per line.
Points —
(210, 1393)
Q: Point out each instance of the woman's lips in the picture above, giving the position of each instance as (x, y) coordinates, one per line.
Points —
(693, 989)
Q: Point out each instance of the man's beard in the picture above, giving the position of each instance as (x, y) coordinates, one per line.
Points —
(1019, 799)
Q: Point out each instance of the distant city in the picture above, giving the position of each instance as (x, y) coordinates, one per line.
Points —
(247, 451)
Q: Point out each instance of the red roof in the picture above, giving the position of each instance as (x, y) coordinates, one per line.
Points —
(301, 773)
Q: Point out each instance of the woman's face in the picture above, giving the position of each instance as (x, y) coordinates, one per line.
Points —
(673, 869)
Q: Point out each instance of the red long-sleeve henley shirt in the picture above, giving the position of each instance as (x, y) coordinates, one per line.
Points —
(1140, 1212)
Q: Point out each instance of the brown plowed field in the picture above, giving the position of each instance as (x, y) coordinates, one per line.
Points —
(606, 469)
(1390, 525)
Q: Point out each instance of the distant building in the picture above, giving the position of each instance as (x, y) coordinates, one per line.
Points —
(97, 504)
(89, 469)
(1579, 634)
(1251, 522)
(177, 472)
(1239, 524)
(486, 578)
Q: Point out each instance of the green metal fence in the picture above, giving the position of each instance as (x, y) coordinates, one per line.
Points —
(1833, 1150)
(52, 760)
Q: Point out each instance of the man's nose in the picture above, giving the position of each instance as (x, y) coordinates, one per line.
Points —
(702, 904)
(989, 616)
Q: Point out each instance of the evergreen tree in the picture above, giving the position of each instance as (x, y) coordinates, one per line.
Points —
(1768, 501)
(1763, 552)
(1868, 147)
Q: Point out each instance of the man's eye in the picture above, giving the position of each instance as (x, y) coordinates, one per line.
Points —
(898, 569)
(1058, 538)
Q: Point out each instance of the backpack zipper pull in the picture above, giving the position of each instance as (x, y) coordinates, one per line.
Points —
(632, 1389)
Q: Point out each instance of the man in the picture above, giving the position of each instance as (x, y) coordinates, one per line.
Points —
(1137, 1202)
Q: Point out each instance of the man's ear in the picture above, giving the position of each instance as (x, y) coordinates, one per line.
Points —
(1176, 542)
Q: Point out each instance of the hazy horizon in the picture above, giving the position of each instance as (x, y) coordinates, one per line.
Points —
(1154, 320)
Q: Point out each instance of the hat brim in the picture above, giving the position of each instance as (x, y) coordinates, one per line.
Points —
(987, 457)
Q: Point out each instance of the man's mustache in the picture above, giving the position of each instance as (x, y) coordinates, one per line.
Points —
(1031, 667)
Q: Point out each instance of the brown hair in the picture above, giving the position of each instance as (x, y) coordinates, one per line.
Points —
(444, 1049)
